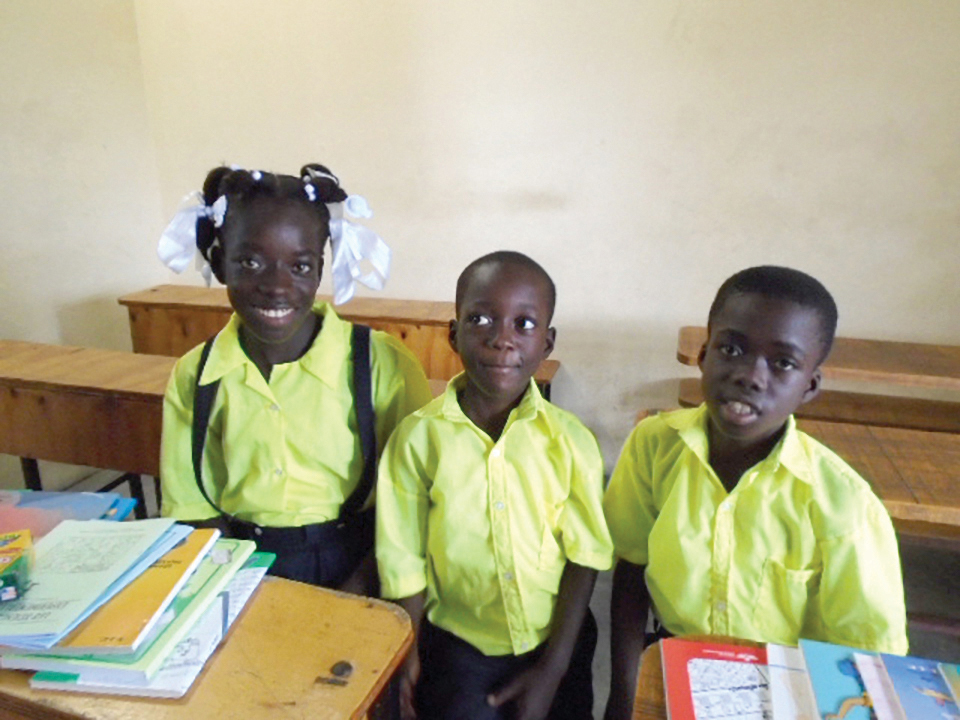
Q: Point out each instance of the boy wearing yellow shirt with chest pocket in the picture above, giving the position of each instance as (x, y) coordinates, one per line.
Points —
(490, 528)
(728, 519)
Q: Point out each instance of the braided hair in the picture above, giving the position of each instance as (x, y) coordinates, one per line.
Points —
(315, 187)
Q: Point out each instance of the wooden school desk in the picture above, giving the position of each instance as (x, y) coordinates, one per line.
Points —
(82, 406)
(277, 662)
(896, 363)
(171, 319)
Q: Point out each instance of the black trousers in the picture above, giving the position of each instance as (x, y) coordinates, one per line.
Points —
(456, 678)
(324, 554)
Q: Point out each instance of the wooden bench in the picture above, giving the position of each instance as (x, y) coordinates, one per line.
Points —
(82, 406)
(171, 319)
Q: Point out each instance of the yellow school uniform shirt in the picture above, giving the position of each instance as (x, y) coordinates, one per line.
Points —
(284, 453)
(488, 527)
(802, 548)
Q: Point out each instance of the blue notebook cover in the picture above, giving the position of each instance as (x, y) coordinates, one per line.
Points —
(837, 684)
(922, 692)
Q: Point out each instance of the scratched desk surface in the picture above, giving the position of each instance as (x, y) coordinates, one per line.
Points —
(276, 663)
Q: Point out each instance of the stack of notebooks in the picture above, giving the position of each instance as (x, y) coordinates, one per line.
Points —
(816, 681)
(131, 608)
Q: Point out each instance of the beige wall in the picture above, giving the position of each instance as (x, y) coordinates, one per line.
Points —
(641, 151)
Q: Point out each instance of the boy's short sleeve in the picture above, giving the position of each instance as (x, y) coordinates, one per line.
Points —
(399, 383)
(628, 503)
(583, 528)
(402, 506)
(861, 600)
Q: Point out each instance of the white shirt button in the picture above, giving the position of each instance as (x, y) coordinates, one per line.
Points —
(524, 645)
(499, 506)
(275, 407)
(721, 607)
(278, 472)
(508, 576)
(495, 453)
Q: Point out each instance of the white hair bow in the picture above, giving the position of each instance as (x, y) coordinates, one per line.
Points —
(178, 243)
(353, 243)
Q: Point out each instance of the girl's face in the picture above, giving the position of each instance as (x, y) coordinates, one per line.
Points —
(272, 261)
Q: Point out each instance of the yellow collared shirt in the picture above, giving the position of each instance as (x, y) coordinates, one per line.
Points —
(802, 548)
(487, 528)
(284, 453)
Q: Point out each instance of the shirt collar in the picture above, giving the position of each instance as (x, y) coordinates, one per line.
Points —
(531, 405)
(789, 452)
(324, 359)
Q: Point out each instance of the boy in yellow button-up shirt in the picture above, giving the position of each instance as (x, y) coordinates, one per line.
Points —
(490, 527)
(732, 521)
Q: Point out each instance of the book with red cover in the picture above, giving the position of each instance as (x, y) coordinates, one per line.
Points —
(711, 681)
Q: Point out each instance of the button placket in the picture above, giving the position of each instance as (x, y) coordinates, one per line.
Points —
(503, 544)
(721, 561)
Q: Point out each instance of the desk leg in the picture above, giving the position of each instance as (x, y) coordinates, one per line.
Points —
(31, 473)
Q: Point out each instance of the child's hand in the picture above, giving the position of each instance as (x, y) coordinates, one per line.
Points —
(409, 675)
(532, 692)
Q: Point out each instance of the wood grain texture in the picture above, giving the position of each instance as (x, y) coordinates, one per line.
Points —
(862, 408)
(908, 364)
(275, 663)
(82, 406)
(172, 319)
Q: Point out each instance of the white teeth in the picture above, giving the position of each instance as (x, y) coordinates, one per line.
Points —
(275, 313)
(739, 408)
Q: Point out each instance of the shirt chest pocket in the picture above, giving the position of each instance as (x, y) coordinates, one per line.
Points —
(782, 601)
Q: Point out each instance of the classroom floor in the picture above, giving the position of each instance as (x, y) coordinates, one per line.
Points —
(931, 584)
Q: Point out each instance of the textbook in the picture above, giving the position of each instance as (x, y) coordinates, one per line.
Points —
(837, 684)
(202, 588)
(790, 690)
(882, 694)
(711, 681)
(183, 665)
(922, 692)
(79, 565)
(951, 676)
(121, 624)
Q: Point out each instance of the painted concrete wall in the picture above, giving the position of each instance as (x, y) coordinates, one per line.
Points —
(641, 151)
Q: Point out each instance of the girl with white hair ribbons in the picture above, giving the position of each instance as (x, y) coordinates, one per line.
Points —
(265, 425)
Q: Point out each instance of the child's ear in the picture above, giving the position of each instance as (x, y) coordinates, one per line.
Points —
(813, 389)
(452, 336)
(701, 356)
(550, 341)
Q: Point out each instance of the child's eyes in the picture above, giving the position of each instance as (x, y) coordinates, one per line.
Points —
(784, 364)
(302, 268)
(480, 320)
(730, 350)
(248, 264)
(526, 324)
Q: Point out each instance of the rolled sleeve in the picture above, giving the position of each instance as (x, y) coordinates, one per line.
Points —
(861, 590)
(583, 528)
(402, 506)
(628, 503)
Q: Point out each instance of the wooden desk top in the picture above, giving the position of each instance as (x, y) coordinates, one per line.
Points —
(361, 309)
(275, 664)
(123, 374)
(900, 363)
(915, 473)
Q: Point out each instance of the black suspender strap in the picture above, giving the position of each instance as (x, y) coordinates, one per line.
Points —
(363, 405)
(204, 396)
